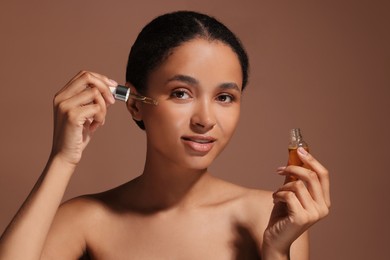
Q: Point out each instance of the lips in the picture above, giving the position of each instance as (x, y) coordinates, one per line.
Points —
(199, 143)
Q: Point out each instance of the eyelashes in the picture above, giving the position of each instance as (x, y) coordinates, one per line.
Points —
(226, 98)
(185, 95)
(180, 94)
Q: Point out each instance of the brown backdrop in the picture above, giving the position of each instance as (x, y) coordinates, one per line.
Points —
(321, 66)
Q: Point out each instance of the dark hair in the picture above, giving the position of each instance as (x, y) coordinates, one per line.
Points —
(157, 40)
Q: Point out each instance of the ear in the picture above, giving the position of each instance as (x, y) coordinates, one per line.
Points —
(133, 105)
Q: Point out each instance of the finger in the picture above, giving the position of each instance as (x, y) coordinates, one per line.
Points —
(86, 80)
(83, 116)
(322, 172)
(110, 82)
(301, 192)
(71, 81)
(85, 99)
(291, 200)
(100, 115)
(88, 96)
(297, 214)
(316, 209)
(309, 177)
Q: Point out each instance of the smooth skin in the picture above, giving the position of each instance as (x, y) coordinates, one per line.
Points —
(175, 209)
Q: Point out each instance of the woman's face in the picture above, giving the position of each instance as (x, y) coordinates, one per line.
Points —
(198, 89)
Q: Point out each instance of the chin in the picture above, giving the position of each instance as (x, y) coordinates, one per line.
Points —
(196, 162)
(197, 165)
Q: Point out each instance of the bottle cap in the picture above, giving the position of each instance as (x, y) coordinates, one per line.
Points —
(120, 92)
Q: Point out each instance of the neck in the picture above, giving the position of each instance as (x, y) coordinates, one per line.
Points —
(166, 185)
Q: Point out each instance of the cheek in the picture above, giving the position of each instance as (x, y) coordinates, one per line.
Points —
(228, 121)
(174, 121)
(166, 120)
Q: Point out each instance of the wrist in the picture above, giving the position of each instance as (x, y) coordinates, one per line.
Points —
(271, 253)
(57, 161)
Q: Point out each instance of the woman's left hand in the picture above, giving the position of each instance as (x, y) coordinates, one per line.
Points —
(298, 204)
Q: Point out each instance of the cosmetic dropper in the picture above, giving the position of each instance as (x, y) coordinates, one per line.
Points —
(123, 93)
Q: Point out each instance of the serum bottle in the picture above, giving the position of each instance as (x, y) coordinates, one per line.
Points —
(296, 140)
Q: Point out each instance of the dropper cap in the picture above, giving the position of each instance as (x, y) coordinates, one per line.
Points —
(123, 93)
(120, 92)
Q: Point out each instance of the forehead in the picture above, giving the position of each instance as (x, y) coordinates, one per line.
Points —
(210, 62)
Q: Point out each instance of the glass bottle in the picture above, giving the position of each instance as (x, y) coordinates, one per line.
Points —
(296, 140)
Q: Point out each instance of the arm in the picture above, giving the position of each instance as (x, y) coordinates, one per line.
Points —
(298, 205)
(79, 109)
(25, 235)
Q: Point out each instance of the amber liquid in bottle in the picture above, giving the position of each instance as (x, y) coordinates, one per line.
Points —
(296, 140)
(293, 158)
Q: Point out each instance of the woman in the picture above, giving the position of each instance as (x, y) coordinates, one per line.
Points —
(196, 70)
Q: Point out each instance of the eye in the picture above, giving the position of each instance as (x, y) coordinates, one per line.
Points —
(180, 94)
(225, 98)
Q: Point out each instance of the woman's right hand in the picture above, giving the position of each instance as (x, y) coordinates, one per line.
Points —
(79, 109)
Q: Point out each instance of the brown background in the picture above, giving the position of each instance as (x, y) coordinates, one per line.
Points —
(322, 66)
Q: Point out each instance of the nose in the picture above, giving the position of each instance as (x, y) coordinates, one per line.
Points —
(203, 118)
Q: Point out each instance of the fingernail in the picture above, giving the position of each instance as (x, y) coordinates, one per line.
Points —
(302, 151)
(113, 82)
(280, 170)
(112, 99)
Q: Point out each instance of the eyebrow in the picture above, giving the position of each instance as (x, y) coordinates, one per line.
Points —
(194, 82)
(230, 85)
(184, 78)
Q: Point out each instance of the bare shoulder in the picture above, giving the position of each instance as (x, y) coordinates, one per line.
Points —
(74, 224)
(87, 210)
(253, 203)
(250, 209)
(261, 198)
(257, 205)
(258, 202)
(76, 209)
(68, 233)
